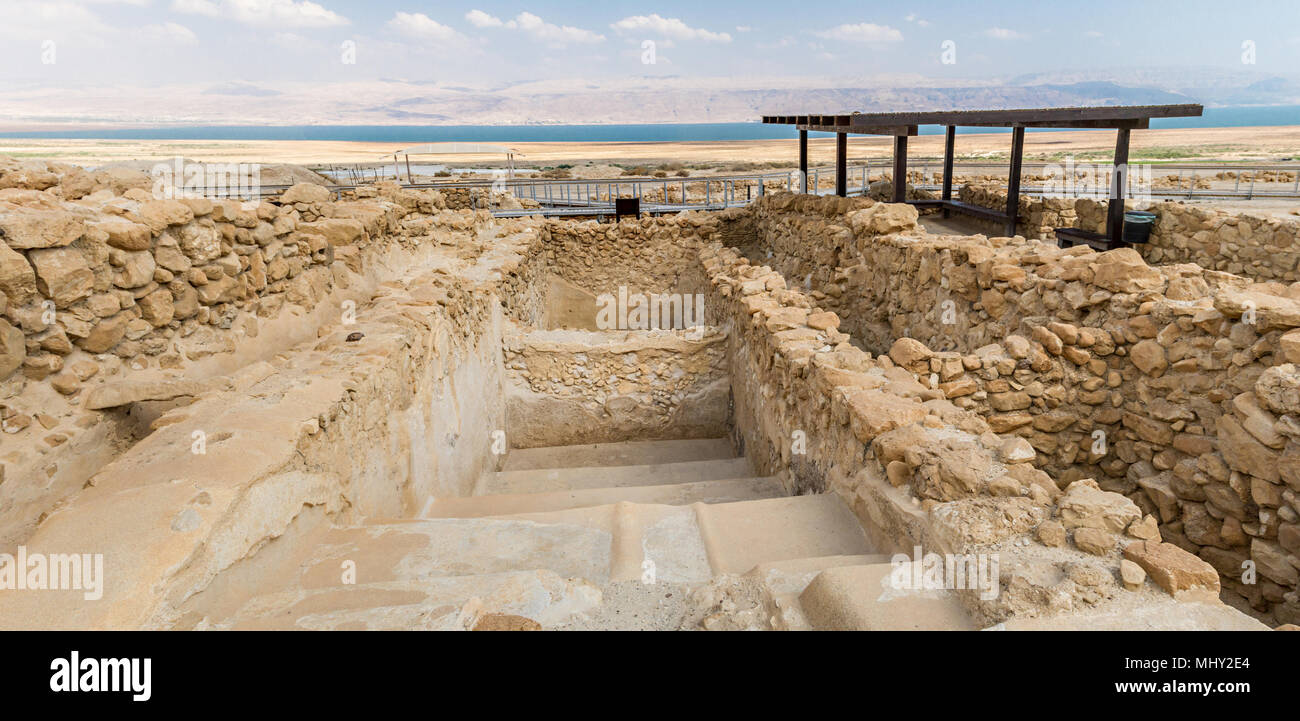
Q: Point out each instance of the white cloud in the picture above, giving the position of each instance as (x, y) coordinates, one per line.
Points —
(168, 32)
(1093, 34)
(294, 41)
(277, 13)
(743, 28)
(197, 7)
(668, 27)
(480, 19)
(60, 19)
(862, 33)
(1003, 34)
(552, 34)
(419, 25)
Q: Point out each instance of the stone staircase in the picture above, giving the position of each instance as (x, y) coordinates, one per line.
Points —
(615, 535)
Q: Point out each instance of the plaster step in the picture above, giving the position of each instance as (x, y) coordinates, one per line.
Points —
(445, 603)
(694, 543)
(783, 581)
(626, 453)
(410, 552)
(861, 598)
(543, 480)
(678, 494)
(544, 566)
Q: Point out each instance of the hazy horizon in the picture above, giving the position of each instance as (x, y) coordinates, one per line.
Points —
(391, 62)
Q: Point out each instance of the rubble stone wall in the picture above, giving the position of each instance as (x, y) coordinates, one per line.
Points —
(568, 387)
(119, 307)
(1173, 385)
(339, 429)
(1263, 248)
(823, 415)
(649, 255)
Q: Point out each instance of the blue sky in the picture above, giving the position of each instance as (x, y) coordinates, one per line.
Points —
(488, 43)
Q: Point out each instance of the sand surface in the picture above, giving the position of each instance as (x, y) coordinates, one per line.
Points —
(1257, 145)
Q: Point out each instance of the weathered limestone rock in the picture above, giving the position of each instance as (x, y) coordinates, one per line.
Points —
(125, 234)
(883, 218)
(223, 290)
(27, 228)
(1146, 529)
(1271, 560)
(874, 413)
(158, 214)
(1149, 357)
(1262, 310)
(65, 383)
(1172, 568)
(339, 231)
(171, 258)
(200, 242)
(62, 275)
(105, 334)
(137, 270)
(1051, 533)
(1124, 271)
(1094, 541)
(1085, 505)
(121, 393)
(17, 279)
(907, 352)
(157, 307)
(305, 193)
(1289, 346)
(1244, 453)
(1279, 388)
(1131, 575)
(12, 349)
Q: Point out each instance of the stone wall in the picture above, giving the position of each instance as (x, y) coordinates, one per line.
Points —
(1259, 247)
(369, 419)
(822, 414)
(1037, 217)
(569, 387)
(1173, 385)
(649, 255)
(1263, 248)
(117, 308)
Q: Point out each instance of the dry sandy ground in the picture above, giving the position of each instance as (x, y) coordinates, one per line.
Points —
(1249, 144)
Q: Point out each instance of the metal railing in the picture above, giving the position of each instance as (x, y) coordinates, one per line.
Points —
(724, 191)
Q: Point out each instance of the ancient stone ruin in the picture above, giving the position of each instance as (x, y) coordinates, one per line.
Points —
(390, 410)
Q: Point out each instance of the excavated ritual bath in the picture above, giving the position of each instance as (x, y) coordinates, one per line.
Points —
(464, 423)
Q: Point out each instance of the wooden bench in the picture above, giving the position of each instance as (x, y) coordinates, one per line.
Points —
(997, 216)
(978, 211)
(1069, 237)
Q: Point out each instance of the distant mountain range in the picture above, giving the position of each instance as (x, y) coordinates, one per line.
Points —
(634, 100)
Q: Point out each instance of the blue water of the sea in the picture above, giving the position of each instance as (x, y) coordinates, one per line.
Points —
(1213, 118)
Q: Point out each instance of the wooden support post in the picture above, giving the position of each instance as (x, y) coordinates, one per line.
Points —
(409, 178)
(841, 164)
(803, 161)
(1118, 189)
(900, 168)
(949, 150)
(1013, 179)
